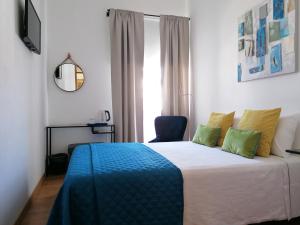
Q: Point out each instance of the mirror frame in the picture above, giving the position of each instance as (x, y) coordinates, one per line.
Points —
(72, 62)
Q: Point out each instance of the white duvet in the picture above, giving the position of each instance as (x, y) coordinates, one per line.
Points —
(225, 189)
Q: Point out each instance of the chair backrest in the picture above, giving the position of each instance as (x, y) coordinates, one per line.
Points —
(170, 128)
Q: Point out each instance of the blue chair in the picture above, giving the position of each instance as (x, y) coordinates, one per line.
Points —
(169, 128)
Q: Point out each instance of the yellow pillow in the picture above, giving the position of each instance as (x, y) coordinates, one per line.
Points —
(223, 121)
(264, 121)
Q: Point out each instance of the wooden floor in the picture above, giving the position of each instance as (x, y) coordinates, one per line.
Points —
(41, 203)
(39, 208)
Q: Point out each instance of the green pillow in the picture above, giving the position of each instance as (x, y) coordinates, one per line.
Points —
(207, 136)
(242, 142)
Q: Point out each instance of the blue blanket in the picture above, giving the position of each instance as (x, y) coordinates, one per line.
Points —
(119, 184)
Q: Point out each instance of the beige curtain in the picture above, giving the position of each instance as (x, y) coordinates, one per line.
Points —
(127, 61)
(174, 35)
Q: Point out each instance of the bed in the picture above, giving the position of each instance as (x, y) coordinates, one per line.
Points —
(221, 188)
(199, 186)
(119, 184)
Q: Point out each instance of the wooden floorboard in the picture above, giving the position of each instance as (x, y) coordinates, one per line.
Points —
(37, 212)
(42, 201)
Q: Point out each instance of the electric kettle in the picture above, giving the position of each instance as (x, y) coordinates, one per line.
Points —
(104, 116)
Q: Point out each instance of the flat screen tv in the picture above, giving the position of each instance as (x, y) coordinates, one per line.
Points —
(32, 28)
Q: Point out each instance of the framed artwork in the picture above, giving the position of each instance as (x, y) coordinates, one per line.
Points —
(276, 59)
(241, 45)
(266, 40)
(249, 48)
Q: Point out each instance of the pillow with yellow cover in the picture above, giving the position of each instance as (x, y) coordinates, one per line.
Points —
(223, 121)
(264, 121)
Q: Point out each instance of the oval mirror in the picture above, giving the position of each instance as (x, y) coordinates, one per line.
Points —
(69, 77)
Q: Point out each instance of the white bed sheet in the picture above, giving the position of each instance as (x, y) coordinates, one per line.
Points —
(225, 189)
(294, 174)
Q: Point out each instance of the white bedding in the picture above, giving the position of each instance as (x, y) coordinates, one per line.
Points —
(225, 189)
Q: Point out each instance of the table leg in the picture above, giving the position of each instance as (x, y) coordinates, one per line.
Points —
(50, 142)
(47, 150)
(114, 133)
(111, 134)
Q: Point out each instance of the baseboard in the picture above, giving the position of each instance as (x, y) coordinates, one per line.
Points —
(29, 201)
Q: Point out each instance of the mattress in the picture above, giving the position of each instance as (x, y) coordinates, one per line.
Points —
(226, 189)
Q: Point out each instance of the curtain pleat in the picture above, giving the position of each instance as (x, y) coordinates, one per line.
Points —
(174, 38)
(127, 62)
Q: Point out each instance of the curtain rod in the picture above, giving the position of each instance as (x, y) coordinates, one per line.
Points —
(150, 15)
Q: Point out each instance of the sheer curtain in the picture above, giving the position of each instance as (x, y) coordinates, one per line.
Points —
(127, 62)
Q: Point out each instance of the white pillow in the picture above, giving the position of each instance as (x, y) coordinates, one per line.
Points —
(236, 122)
(296, 144)
(285, 136)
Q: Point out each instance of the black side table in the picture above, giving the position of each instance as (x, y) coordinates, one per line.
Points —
(111, 132)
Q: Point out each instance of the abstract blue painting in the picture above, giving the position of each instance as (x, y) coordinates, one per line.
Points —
(256, 69)
(284, 28)
(278, 9)
(263, 11)
(262, 60)
(261, 42)
(241, 45)
(241, 29)
(239, 73)
(248, 23)
(267, 40)
(263, 22)
(276, 59)
(274, 31)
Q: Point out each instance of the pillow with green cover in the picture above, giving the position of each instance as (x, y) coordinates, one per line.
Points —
(207, 136)
(242, 142)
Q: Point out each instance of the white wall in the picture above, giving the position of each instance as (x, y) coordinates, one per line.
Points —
(214, 65)
(22, 112)
(82, 28)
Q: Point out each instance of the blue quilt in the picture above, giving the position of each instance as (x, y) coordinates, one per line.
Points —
(119, 184)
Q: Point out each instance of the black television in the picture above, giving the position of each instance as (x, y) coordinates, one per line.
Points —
(32, 28)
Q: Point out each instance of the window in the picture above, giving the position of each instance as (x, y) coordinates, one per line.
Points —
(152, 77)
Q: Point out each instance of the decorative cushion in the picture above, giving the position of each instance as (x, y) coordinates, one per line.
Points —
(285, 136)
(207, 136)
(223, 121)
(264, 121)
(242, 142)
